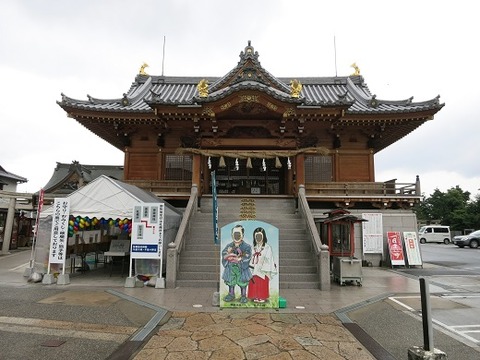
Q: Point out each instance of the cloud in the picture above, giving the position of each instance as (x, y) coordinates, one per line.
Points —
(412, 48)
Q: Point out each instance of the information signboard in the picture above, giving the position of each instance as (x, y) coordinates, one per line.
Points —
(372, 232)
(395, 248)
(59, 234)
(412, 249)
(147, 231)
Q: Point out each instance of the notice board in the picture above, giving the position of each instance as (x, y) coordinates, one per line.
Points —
(412, 248)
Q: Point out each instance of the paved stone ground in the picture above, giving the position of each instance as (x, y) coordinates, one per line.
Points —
(244, 335)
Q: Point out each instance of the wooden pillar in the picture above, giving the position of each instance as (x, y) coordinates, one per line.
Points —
(126, 167)
(371, 166)
(196, 166)
(300, 170)
(289, 186)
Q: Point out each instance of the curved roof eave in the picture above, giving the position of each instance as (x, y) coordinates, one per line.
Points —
(371, 105)
(138, 107)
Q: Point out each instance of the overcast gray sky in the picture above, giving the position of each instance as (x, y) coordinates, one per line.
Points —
(403, 49)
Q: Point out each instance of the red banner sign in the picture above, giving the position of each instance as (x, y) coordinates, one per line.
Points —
(396, 248)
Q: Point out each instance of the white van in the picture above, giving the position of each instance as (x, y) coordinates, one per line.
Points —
(434, 233)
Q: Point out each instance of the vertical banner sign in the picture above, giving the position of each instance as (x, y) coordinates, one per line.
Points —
(372, 232)
(395, 248)
(215, 208)
(147, 231)
(412, 249)
(59, 235)
(39, 210)
(41, 195)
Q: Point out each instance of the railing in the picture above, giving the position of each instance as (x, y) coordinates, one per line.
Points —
(387, 188)
(175, 248)
(321, 250)
(163, 187)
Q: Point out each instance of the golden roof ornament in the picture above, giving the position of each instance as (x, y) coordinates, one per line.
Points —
(202, 88)
(295, 88)
(357, 70)
(142, 69)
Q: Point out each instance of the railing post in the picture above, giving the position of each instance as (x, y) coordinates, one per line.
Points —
(324, 267)
(417, 186)
(171, 267)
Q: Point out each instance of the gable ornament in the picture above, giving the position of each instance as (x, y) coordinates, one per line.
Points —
(295, 88)
(142, 69)
(202, 88)
(356, 68)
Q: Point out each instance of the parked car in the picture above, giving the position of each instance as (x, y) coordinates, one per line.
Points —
(434, 233)
(472, 240)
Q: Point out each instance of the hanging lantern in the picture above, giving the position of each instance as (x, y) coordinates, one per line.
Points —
(289, 164)
(236, 165)
(222, 162)
(249, 163)
(209, 162)
(278, 164)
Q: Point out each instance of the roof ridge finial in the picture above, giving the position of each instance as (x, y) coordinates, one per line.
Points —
(248, 52)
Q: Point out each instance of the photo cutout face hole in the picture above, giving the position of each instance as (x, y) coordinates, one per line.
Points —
(259, 238)
(237, 235)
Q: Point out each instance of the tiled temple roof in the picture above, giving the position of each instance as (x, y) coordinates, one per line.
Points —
(348, 91)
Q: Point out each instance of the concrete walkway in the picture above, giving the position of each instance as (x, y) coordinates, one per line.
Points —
(347, 322)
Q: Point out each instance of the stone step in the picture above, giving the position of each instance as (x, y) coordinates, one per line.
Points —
(214, 276)
(226, 203)
(294, 255)
(200, 261)
(215, 268)
(300, 246)
(213, 284)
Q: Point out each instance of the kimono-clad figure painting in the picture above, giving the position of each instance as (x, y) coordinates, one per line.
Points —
(249, 265)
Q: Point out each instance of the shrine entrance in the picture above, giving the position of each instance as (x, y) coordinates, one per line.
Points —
(252, 176)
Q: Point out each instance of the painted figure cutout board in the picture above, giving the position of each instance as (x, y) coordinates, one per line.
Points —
(249, 265)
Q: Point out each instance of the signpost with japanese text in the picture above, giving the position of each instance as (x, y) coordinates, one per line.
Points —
(59, 233)
(412, 249)
(395, 248)
(372, 231)
(147, 233)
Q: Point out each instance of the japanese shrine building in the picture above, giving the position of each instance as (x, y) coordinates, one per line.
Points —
(273, 134)
(263, 135)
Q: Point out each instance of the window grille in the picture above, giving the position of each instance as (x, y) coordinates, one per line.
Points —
(318, 168)
(178, 167)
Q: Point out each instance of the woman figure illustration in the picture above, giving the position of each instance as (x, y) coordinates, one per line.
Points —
(263, 267)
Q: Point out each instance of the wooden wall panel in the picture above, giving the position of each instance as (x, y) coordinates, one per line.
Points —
(354, 167)
(143, 166)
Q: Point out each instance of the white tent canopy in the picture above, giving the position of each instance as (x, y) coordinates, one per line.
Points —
(107, 198)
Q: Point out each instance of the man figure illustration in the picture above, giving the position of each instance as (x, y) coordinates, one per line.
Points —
(235, 260)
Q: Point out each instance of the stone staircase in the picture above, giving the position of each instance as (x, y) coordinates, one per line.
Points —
(200, 260)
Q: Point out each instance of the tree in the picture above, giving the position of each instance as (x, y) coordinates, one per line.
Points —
(450, 208)
(473, 213)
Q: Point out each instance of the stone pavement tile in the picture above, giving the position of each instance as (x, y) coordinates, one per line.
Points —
(241, 335)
